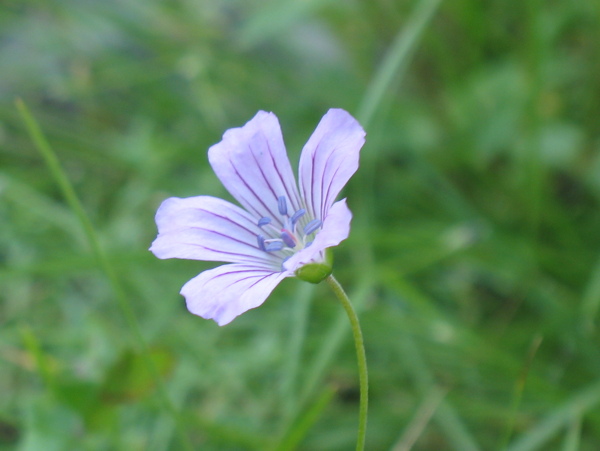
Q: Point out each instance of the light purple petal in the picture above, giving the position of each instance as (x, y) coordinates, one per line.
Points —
(329, 159)
(228, 291)
(208, 228)
(336, 229)
(253, 165)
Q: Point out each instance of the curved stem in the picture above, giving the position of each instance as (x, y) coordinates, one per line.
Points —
(360, 357)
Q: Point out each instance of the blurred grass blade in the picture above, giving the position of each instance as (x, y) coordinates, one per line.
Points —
(41, 205)
(63, 182)
(520, 388)
(390, 70)
(306, 421)
(42, 363)
(229, 437)
(446, 416)
(395, 63)
(591, 300)
(275, 17)
(575, 406)
(420, 420)
(573, 437)
(298, 326)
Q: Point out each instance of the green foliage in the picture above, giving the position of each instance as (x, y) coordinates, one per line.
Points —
(474, 257)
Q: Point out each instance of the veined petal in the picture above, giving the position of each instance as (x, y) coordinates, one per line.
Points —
(208, 228)
(329, 159)
(252, 163)
(228, 291)
(336, 228)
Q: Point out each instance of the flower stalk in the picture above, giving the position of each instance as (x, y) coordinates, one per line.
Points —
(361, 358)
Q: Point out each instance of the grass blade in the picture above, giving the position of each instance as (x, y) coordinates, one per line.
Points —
(573, 436)
(306, 421)
(298, 328)
(575, 406)
(416, 427)
(396, 61)
(68, 192)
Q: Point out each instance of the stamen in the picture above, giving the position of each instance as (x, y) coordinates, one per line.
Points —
(283, 261)
(261, 243)
(312, 226)
(264, 221)
(274, 246)
(282, 205)
(296, 216)
(288, 239)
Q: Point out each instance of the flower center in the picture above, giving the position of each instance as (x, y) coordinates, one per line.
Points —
(296, 232)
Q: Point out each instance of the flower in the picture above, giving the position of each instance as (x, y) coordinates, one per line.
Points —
(282, 228)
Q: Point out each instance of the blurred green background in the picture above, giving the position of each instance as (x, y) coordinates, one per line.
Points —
(474, 257)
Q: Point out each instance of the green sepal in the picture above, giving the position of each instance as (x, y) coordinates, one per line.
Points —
(316, 272)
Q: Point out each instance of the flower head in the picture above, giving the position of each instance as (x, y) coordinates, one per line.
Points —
(282, 228)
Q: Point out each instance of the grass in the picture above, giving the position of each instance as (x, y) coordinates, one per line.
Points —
(473, 257)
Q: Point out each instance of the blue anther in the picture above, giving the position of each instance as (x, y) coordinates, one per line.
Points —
(283, 261)
(312, 226)
(261, 243)
(274, 246)
(297, 216)
(282, 205)
(287, 239)
(264, 221)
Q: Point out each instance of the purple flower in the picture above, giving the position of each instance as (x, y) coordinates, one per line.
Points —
(282, 227)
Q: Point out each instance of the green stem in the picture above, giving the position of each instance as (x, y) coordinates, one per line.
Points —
(361, 357)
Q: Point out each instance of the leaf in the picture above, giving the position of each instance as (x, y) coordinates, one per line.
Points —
(130, 379)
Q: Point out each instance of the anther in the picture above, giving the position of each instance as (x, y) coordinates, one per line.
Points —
(282, 205)
(274, 246)
(312, 226)
(264, 221)
(296, 216)
(287, 239)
